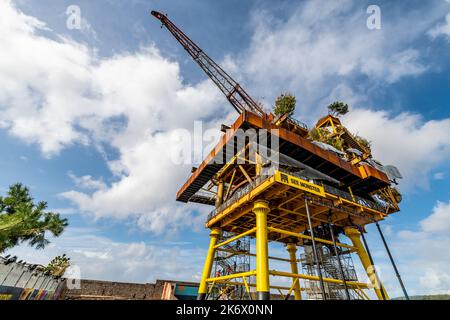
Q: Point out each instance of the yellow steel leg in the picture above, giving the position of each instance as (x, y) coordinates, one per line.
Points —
(292, 249)
(203, 288)
(261, 209)
(354, 235)
(219, 197)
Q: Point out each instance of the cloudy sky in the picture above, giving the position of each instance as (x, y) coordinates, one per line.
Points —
(87, 117)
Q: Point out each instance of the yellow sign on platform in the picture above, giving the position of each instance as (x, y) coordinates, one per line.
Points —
(298, 183)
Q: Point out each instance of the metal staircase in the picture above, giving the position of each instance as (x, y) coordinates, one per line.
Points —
(330, 269)
(228, 260)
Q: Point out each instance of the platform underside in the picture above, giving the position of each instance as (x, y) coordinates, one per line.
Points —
(363, 179)
(286, 195)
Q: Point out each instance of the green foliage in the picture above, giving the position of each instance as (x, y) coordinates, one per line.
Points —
(57, 266)
(314, 134)
(338, 108)
(22, 220)
(285, 103)
(362, 141)
(325, 136)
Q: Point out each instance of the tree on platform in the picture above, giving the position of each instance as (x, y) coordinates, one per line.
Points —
(338, 108)
(285, 104)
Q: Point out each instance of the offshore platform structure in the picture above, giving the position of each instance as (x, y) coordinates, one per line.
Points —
(273, 180)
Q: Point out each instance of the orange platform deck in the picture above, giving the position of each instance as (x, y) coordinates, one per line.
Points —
(362, 179)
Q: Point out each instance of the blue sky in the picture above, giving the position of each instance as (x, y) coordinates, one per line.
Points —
(86, 117)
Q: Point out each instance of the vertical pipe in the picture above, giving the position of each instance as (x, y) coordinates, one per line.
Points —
(383, 291)
(258, 160)
(219, 197)
(338, 256)
(203, 288)
(292, 249)
(366, 260)
(261, 209)
(316, 257)
(392, 261)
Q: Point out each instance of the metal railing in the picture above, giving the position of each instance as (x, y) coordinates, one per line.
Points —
(298, 123)
(375, 205)
(239, 194)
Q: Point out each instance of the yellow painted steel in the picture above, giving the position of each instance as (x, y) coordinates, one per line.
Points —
(219, 197)
(214, 235)
(246, 285)
(302, 236)
(247, 204)
(246, 233)
(291, 181)
(253, 255)
(211, 287)
(245, 199)
(359, 294)
(238, 283)
(298, 183)
(261, 209)
(355, 236)
(315, 278)
(230, 184)
(351, 193)
(365, 296)
(245, 174)
(295, 283)
(232, 276)
(292, 249)
(259, 161)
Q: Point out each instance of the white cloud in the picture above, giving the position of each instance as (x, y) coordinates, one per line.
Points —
(87, 182)
(423, 255)
(396, 140)
(323, 52)
(323, 45)
(101, 258)
(64, 211)
(438, 282)
(439, 220)
(56, 93)
(441, 29)
(424, 258)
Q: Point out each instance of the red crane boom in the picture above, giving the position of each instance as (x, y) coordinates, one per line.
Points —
(237, 96)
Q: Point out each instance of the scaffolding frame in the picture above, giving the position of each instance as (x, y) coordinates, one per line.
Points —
(272, 203)
(241, 279)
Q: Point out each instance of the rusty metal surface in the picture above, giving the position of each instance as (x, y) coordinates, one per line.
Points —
(362, 180)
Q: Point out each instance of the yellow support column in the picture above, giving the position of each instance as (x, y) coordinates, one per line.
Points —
(261, 209)
(203, 288)
(355, 237)
(292, 249)
(219, 197)
(259, 161)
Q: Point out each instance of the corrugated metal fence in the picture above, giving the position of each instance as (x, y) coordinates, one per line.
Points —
(26, 282)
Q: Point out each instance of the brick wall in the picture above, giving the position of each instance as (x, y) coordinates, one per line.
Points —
(106, 290)
(93, 289)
